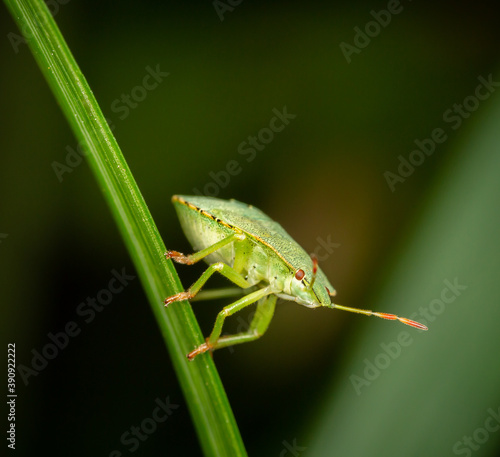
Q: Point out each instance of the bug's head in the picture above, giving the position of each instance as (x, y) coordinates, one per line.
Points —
(310, 287)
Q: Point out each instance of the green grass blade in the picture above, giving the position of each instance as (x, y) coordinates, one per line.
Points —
(204, 393)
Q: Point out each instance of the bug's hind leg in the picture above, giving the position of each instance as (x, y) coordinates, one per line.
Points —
(225, 270)
(197, 256)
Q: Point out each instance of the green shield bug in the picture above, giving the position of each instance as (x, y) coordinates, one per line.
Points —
(254, 252)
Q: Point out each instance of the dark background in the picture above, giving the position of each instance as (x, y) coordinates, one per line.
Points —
(322, 177)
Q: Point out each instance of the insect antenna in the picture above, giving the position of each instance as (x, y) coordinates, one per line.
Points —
(314, 270)
(391, 317)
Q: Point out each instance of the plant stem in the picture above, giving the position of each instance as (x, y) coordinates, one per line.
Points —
(203, 390)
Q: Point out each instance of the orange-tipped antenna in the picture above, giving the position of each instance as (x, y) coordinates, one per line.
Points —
(315, 270)
(391, 317)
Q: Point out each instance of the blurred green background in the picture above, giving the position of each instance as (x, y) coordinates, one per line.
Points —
(320, 382)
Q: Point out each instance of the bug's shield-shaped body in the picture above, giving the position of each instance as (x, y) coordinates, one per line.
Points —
(268, 255)
(247, 247)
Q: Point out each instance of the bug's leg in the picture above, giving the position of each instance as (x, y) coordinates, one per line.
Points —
(223, 269)
(195, 257)
(226, 292)
(212, 341)
(258, 326)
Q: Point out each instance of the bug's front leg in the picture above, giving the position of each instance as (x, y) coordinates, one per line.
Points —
(257, 328)
(259, 325)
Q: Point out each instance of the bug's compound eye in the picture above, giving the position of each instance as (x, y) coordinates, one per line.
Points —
(299, 276)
